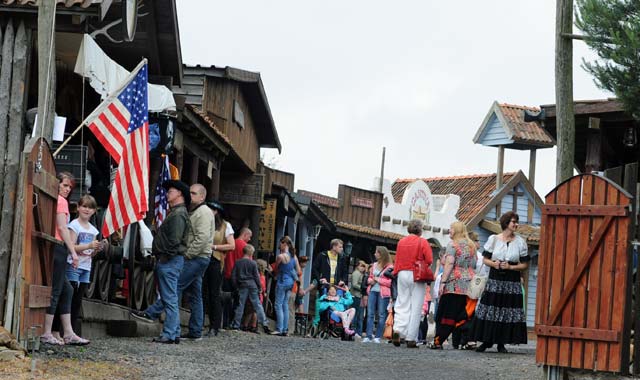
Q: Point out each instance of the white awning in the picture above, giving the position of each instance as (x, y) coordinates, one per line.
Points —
(105, 75)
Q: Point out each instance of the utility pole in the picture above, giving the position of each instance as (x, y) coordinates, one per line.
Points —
(565, 122)
(384, 150)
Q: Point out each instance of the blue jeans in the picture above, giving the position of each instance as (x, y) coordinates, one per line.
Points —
(376, 302)
(254, 298)
(282, 307)
(357, 319)
(168, 274)
(190, 282)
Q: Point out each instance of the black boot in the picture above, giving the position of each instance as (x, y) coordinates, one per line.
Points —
(483, 347)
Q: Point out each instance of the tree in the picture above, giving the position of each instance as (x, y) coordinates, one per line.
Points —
(612, 30)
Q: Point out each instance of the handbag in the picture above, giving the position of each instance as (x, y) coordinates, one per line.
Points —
(478, 281)
(388, 327)
(421, 271)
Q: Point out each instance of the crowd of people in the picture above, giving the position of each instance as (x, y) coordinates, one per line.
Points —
(390, 299)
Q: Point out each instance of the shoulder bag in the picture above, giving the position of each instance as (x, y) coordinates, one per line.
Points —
(478, 281)
(421, 271)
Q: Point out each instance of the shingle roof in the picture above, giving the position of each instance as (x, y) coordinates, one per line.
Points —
(522, 131)
(474, 190)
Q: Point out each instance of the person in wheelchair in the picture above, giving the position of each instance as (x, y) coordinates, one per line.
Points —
(337, 307)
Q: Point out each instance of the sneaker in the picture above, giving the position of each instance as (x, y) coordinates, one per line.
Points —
(276, 332)
(141, 316)
(211, 333)
(366, 340)
(266, 329)
(376, 340)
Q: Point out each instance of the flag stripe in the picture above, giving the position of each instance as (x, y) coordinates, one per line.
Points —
(121, 124)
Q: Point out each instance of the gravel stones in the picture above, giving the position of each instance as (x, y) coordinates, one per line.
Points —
(238, 355)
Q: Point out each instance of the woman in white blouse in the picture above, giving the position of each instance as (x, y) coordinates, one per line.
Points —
(500, 317)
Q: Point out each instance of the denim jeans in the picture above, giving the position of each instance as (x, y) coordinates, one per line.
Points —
(357, 319)
(190, 283)
(378, 304)
(168, 274)
(254, 298)
(282, 307)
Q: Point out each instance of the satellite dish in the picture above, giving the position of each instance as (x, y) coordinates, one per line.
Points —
(533, 116)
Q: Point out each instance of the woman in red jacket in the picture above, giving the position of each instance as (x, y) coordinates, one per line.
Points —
(408, 305)
(379, 291)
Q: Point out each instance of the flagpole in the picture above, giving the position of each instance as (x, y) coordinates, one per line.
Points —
(98, 109)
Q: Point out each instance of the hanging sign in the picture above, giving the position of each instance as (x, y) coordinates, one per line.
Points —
(267, 226)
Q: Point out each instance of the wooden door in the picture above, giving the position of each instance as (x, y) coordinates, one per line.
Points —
(584, 287)
(41, 196)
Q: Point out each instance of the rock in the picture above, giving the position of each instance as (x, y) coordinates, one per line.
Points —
(9, 355)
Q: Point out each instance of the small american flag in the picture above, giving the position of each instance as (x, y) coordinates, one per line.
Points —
(161, 194)
(121, 124)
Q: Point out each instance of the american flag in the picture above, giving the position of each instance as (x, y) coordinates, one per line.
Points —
(121, 124)
(161, 194)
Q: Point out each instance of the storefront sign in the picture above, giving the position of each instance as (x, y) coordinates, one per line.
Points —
(247, 191)
(267, 231)
(362, 202)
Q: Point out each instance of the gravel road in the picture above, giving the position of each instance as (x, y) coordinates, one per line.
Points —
(238, 355)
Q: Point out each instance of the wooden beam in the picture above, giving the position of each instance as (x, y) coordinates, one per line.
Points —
(532, 167)
(5, 92)
(587, 210)
(46, 69)
(566, 134)
(609, 336)
(500, 171)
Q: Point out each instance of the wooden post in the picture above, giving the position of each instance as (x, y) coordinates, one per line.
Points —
(46, 69)
(532, 167)
(195, 166)
(384, 150)
(214, 189)
(5, 91)
(500, 172)
(14, 143)
(565, 120)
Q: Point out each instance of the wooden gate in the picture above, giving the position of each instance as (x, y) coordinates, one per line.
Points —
(583, 302)
(41, 196)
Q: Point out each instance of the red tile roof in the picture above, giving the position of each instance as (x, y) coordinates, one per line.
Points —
(524, 132)
(203, 115)
(474, 190)
(370, 231)
(321, 199)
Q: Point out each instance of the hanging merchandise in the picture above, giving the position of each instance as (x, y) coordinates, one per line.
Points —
(105, 76)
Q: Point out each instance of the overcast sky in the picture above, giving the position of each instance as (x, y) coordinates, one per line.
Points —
(345, 78)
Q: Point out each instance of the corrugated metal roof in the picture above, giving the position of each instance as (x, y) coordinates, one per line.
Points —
(475, 190)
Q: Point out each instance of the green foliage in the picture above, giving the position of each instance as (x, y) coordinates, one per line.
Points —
(612, 28)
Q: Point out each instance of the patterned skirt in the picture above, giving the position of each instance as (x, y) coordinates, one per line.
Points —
(500, 316)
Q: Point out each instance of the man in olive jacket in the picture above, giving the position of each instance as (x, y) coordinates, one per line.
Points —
(197, 258)
(169, 247)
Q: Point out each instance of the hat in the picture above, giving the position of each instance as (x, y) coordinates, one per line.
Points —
(215, 205)
(180, 186)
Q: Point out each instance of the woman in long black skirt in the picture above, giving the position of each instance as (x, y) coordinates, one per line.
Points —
(500, 317)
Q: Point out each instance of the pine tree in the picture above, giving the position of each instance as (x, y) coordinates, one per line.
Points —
(612, 30)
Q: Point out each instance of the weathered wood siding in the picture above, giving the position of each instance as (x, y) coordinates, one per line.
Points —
(218, 101)
(494, 134)
(354, 213)
(277, 177)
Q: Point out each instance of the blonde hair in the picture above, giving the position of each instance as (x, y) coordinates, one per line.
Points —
(460, 233)
(262, 265)
(385, 257)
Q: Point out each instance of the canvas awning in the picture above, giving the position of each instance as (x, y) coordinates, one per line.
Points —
(105, 76)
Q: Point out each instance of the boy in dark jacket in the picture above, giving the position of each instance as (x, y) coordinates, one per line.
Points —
(246, 279)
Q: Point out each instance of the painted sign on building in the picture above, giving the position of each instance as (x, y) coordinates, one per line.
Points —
(437, 212)
(267, 226)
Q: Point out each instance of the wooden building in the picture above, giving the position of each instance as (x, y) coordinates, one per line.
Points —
(234, 104)
(40, 49)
